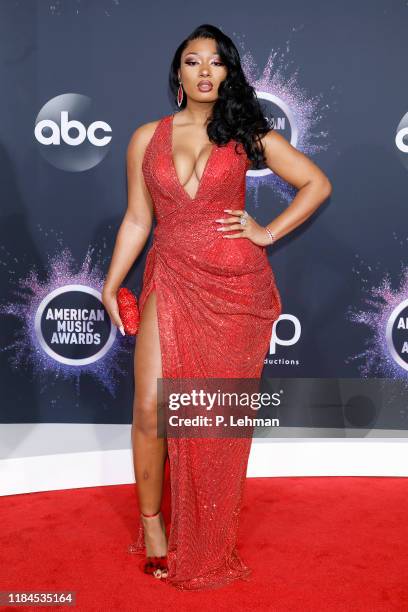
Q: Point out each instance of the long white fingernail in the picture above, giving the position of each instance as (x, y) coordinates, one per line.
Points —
(122, 331)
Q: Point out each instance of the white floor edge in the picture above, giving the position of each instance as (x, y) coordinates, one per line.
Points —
(268, 458)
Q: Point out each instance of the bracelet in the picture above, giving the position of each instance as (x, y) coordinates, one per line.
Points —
(271, 236)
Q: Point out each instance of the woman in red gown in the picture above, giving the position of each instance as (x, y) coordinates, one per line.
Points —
(209, 299)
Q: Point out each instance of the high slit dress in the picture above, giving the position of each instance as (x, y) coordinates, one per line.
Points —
(217, 302)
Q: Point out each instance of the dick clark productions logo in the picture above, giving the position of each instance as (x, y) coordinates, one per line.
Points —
(68, 134)
(73, 327)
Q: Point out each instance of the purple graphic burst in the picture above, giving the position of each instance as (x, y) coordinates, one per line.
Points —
(25, 350)
(279, 81)
(380, 301)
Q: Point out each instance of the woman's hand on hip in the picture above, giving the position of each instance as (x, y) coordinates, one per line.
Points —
(252, 230)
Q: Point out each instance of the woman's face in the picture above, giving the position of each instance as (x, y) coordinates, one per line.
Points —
(201, 62)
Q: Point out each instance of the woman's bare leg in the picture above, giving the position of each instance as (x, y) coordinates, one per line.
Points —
(149, 452)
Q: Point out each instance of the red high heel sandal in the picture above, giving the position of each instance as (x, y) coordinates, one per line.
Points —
(152, 564)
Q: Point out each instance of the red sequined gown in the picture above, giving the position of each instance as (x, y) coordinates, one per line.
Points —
(216, 304)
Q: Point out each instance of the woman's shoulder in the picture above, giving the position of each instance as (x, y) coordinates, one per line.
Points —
(146, 130)
(143, 134)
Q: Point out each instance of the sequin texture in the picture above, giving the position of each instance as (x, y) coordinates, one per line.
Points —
(217, 301)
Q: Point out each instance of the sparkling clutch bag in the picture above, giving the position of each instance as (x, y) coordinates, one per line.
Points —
(128, 310)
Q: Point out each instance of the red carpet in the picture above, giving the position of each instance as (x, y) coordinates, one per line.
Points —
(335, 544)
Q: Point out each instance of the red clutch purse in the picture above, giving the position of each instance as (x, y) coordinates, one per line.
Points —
(128, 310)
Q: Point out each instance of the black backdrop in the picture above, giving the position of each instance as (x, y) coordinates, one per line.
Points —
(336, 82)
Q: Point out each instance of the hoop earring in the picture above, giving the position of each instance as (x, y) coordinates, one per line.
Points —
(180, 95)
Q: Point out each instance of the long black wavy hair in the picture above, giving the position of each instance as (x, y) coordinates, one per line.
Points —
(237, 113)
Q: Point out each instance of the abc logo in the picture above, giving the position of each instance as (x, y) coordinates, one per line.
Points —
(401, 140)
(68, 135)
(58, 133)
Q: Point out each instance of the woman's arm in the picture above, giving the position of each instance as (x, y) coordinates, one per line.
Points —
(297, 169)
(136, 224)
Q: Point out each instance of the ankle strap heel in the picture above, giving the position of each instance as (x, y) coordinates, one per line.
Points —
(150, 515)
(155, 565)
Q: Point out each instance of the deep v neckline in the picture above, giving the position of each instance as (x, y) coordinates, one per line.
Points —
(205, 171)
